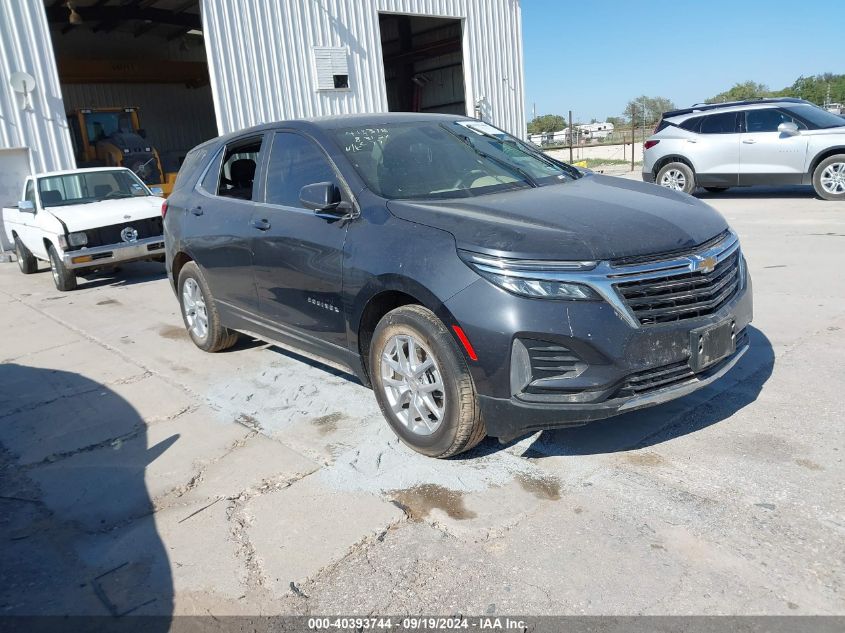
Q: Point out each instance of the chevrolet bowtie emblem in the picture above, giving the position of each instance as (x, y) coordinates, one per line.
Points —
(705, 264)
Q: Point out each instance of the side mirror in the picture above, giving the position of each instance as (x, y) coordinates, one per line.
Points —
(788, 128)
(321, 197)
(26, 206)
(157, 191)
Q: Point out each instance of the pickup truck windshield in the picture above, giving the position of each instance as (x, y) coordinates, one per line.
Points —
(89, 186)
(456, 159)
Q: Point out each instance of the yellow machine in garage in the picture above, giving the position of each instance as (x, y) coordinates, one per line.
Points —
(113, 137)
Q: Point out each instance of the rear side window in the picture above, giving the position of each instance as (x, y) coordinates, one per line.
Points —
(767, 120)
(724, 123)
(693, 124)
(194, 160)
(234, 177)
(295, 161)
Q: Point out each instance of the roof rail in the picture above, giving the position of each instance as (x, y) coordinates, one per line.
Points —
(703, 107)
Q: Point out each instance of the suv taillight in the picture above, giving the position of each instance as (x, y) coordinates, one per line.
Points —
(164, 209)
(650, 144)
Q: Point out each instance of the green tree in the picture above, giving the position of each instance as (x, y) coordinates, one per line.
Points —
(652, 108)
(546, 123)
(817, 88)
(744, 90)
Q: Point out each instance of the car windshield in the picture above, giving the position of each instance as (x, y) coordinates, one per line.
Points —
(90, 186)
(456, 159)
(817, 117)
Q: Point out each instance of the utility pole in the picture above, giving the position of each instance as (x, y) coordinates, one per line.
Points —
(633, 127)
(570, 137)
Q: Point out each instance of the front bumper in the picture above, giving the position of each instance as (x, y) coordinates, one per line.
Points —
(546, 364)
(114, 253)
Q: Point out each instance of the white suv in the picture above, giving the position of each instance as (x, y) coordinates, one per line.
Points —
(743, 143)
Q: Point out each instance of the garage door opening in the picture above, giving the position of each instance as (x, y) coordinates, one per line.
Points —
(423, 63)
(134, 80)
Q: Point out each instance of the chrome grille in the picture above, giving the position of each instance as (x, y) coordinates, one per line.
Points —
(674, 293)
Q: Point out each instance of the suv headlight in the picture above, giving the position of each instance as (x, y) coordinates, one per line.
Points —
(532, 278)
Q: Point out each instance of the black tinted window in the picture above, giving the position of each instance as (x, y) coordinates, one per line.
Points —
(766, 120)
(295, 162)
(724, 123)
(692, 124)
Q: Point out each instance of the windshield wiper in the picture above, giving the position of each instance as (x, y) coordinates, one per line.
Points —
(503, 163)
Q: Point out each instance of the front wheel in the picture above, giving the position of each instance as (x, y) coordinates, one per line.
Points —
(829, 178)
(199, 312)
(26, 260)
(676, 176)
(63, 277)
(423, 385)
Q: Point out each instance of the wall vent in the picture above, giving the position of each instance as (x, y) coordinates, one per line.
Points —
(332, 66)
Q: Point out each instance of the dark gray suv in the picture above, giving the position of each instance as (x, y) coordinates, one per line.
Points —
(479, 286)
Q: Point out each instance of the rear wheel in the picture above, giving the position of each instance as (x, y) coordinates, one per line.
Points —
(676, 176)
(716, 189)
(63, 277)
(199, 312)
(26, 260)
(829, 178)
(423, 385)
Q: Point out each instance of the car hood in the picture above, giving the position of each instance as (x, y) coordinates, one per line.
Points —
(592, 218)
(78, 217)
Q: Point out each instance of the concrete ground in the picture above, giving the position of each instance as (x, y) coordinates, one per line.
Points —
(140, 475)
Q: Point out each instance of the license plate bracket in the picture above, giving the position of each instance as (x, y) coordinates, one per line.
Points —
(710, 344)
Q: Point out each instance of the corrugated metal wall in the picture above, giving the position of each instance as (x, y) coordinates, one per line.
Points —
(25, 47)
(261, 67)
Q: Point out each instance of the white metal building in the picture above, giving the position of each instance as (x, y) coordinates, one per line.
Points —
(198, 68)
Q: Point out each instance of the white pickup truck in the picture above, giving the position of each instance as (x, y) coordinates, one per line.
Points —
(84, 219)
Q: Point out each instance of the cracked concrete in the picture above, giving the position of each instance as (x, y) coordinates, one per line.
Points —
(140, 475)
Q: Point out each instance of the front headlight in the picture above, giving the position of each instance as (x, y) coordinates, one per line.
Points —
(532, 278)
(77, 239)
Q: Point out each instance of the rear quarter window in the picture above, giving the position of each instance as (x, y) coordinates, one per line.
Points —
(193, 163)
(692, 125)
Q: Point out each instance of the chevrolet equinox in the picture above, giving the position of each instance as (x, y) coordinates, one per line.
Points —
(480, 287)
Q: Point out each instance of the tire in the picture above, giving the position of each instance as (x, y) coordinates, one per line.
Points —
(199, 312)
(63, 277)
(716, 189)
(451, 423)
(26, 260)
(676, 176)
(829, 178)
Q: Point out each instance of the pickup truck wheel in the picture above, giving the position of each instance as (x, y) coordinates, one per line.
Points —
(26, 260)
(64, 278)
(199, 312)
(829, 178)
(423, 385)
(676, 176)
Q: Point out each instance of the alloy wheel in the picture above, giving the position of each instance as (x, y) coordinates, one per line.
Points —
(413, 384)
(833, 178)
(674, 179)
(193, 306)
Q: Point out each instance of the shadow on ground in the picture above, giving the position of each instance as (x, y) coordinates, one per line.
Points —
(663, 423)
(787, 191)
(75, 526)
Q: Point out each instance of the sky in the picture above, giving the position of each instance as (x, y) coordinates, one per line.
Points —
(593, 56)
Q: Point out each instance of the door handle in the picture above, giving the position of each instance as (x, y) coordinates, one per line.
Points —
(749, 141)
(197, 210)
(261, 225)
